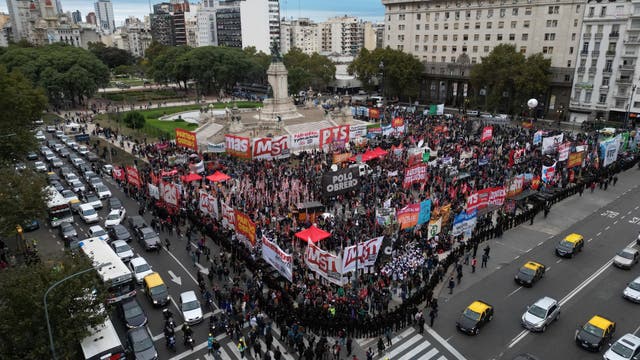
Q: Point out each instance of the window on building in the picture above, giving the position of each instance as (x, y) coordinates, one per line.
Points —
(500, 24)
(486, 49)
(454, 48)
(437, 16)
(425, 38)
(400, 47)
(594, 62)
(499, 37)
(592, 11)
(526, 24)
(554, 9)
(445, 37)
(578, 9)
(455, 26)
(569, 63)
(477, 25)
(435, 38)
(401, 27)
(434, 49)
(512, 37)
(603, 11)
(474, 60)
(523, 49)
(547, 50)
(487, 37)
(417, 26)
(474, 49)
(605, 81)
(478, 14)
(453, 59)
(425, 48)
(418, 16)
(503, 12)
(524, 37)
(445, 26)
(476, 37)
(446, 15)
(570, 50)
(514, 24)
(489, 25)
(585, 47)
(436, 26)
(444, 48)
(527, 10)
(455, 37)
(417, 38)
(457, 14)
(612, 48)
(465, 37)
(464, 48)
(466, 26)
(433, 59)
(608, 65)
(401, 17)
(573, 37)
(416, 48)
(490, 13)
(427, 16)
(602, 99)
(400, 37)
(443, 59)
(587, 96)
(514, 11)
(549, 36)
(426, 26)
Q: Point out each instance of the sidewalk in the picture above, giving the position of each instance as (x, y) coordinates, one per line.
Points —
(521, 239)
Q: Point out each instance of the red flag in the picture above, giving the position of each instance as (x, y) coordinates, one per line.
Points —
(118, 173)
(487, 133)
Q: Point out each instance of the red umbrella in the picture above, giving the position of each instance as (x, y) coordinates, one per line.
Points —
(313, 234)
(192, 177)
(218, 176)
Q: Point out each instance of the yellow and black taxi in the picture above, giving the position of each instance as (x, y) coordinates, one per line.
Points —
(474, 317)
(155, 289)
(529, 273)
(597, 332)
(570, 245)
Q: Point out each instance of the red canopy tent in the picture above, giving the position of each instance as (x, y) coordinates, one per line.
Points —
(313, 234)
(380, 152)
(192, 177)
(218, 177)
(368, 155)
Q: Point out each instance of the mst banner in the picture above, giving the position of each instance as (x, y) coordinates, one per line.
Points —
(366, 254)
(324, 263)
(245, 227)
(276, 257)
(340, 182)
(186, 139)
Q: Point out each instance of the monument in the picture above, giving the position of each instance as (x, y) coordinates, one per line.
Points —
(280, 107)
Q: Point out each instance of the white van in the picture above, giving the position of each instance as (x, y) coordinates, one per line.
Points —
(88, 213)
(363, 169)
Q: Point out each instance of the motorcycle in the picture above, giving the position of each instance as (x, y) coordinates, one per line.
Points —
(188, 341)
(171, 343)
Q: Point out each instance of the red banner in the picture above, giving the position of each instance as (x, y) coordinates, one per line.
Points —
(169, 193)
(516, 157)
(487, 134)
(408, 216)
(374, 113)
(133, 177)
(414, 174)
(575, 159)
(515, 185)
(485, 197)
(245, 227)
(397, 122)
(238, 146)
(337, 134)
(186, 139)
(118, 173)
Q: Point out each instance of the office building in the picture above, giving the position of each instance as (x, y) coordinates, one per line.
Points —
(168, 23)
(451, 36)
(104, 16)
(605, 80)
(76, 17)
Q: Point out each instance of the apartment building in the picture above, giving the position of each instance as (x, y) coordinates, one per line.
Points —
(343, 35)
(606, 75)
(104, 15)
(301, 33)
(451, 36)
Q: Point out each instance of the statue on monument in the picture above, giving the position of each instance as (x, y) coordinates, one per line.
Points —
(275, 52)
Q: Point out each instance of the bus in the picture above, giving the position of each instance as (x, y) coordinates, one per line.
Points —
(117, 276)
(103, 343)
(58, 207)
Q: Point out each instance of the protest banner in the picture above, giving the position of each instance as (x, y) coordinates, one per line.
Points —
(276, 257)
(575, 159)
(238, 146)
(609, 150)
(304, 140)
(245, 227)
(154, 192)
(228, 216)
(281, 147)
(169, 193)
(358, 130)
(323, 263)
(548, 173)
(516, 156)
(118, 173)
(550, 144)
(414, 174)
(206, 203)
(480, 199)
(335, 134)
(425, 212)
(514, 186)
(133, 177)
(464, 223)
(563, 151)
(216, 148)
(407, 217)
(340, 182)
(186, 139)
(261, 149)
(435, 227)
(361, 255)
(340, 158)
(487, 133)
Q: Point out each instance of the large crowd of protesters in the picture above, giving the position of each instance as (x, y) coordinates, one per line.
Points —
(388, 296)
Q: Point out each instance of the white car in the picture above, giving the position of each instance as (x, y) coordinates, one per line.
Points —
(626, 348)
(107, 169)
(77, 162)
(541, 314)
(632, 291)
(98, 231)
(77, 186)
(95, 181)
(40, 136)
(40, 166)
(114, 218)
(69, 177)
(82, 149)
(626, 258)
(103, 192)
(88, 214)
(140, 268)
(123, 250)
(190, 308)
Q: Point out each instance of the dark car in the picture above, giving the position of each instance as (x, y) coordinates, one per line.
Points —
(529, 273)
(570, 245)
(30, 225)
(474, 317)
(140, 344)
(92, 157)
(135, 222)
(119, 232)
(132, 313)
(32, 156)
(67, 231)
(148, 238)
(56, 184)
(115, 204)
(597, 332)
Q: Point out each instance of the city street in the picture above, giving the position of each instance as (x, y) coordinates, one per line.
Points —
(584, 285)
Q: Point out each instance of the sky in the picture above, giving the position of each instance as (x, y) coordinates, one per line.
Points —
(318, 10)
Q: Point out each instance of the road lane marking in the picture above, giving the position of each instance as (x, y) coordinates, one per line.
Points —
(559, 261)
(607, 228)
(528, 250)
(570, 295)
(182, 266)
(516, 258)
(540, 243)
(623, 216)
(514, 291)
(615, 222)
(196, 348)
(598, 234)
(549, 268)
(455, 353)
(635, 332)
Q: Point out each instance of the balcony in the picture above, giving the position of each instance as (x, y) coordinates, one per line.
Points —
(623, 81)
(631, 67)
(610, 53)
(606, 71)
(586, 35)
(598, 36)
(632, 40)
(614, 35)
(581, 70)
(604, 88)
(584, 53)
(593, 70)
(595, 53)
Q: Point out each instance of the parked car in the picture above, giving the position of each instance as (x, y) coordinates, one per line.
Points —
(40, 136)
(132, 313)
(30, 225)
(40, 166)
(475, 316)
(103, 191)
(98, 231)
(597, 332)
(136, 222)
(115, 217)
(32, 156)
(115, 203)
(107, 169)
(67, 231)
(92, 157)
(88, 213)
(140, 268)
(93, 199)
(69, 195)
(626, 348)
(632, 291)
(119, 232)
(77, 186)
(122, 249)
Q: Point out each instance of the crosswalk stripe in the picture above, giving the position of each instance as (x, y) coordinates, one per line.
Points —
(404, 346)
(283, 350)
(417, 350)
(433, 352)
(442, 358)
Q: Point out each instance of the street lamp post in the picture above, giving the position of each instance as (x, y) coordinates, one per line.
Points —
(46, 311)
(381, 67)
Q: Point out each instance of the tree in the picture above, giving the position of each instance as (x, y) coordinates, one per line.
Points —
(308, 71)
(164, 67)
(110, 55)
(69, 75)
(134, 119)
(509, 78)
(23, 200)
(71, 309)
(22, 105)
(400, 74)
